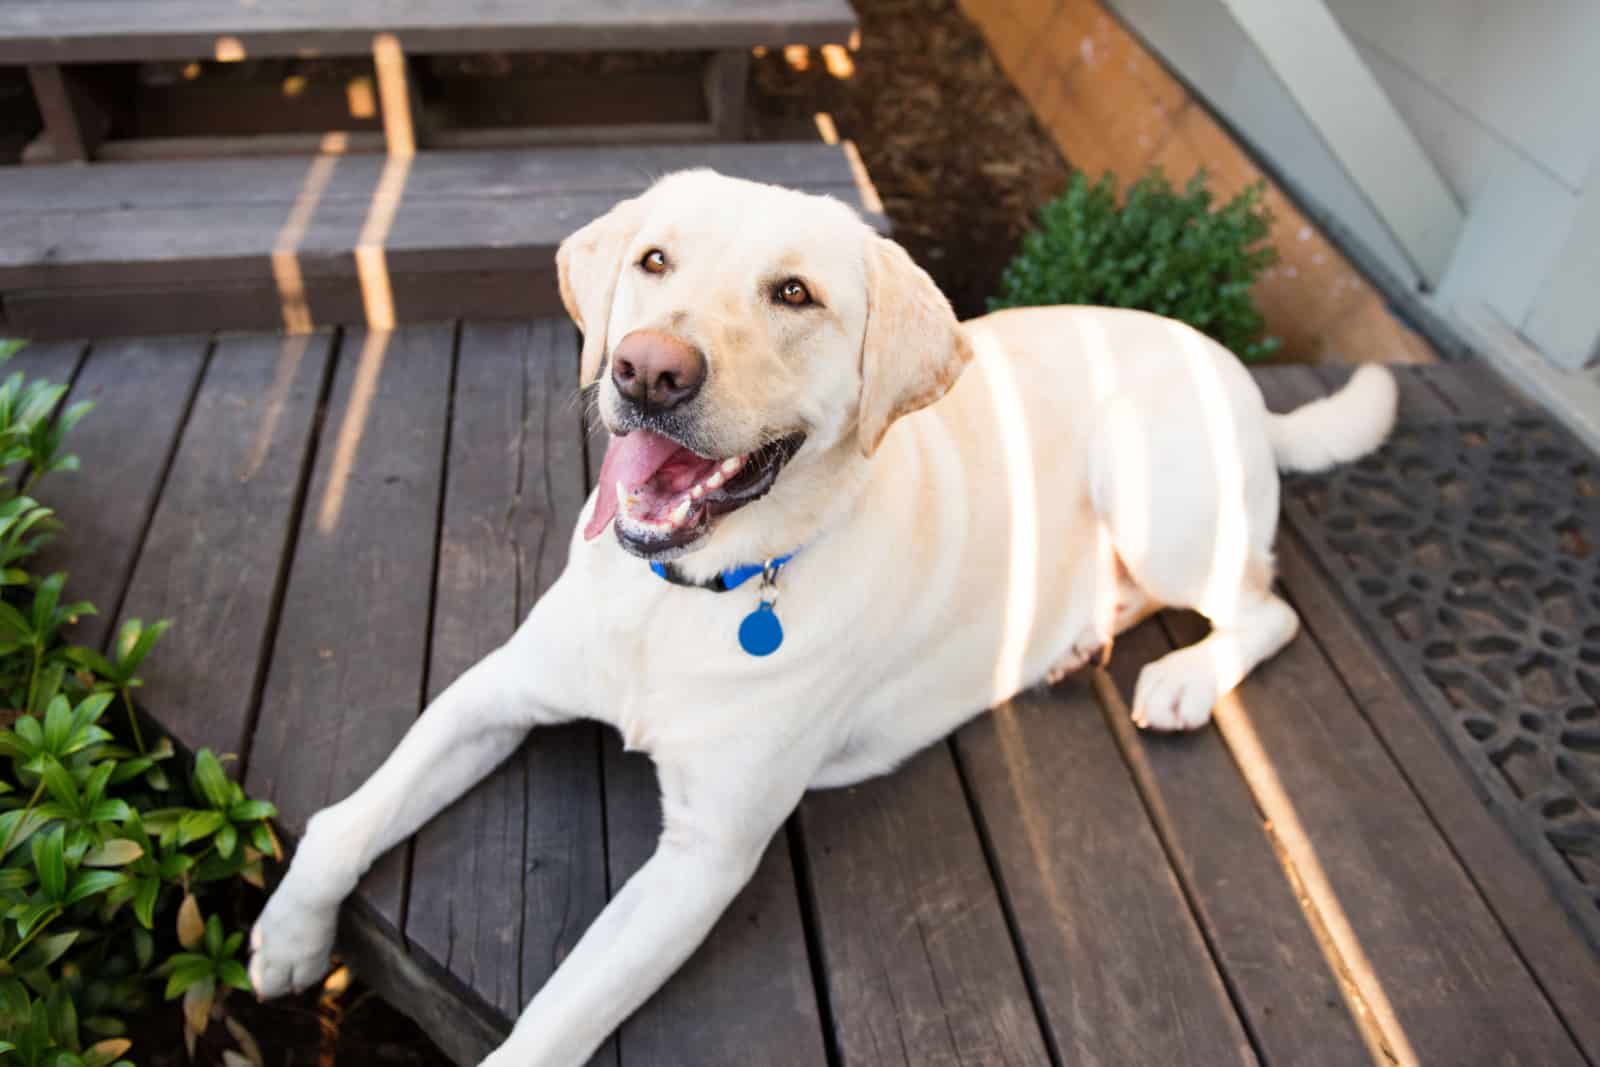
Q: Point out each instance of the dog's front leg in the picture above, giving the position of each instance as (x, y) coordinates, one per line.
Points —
(717, 820)
(473, 725)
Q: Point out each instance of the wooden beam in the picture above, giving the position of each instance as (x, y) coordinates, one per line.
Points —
(726, 76)
(1325, 74)
(74, 124)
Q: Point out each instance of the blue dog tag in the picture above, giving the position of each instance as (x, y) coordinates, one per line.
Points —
(761, 633)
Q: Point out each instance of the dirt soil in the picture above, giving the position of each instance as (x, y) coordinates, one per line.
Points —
(954, 151)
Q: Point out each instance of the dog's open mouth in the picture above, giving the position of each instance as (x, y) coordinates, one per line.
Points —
(665, 496)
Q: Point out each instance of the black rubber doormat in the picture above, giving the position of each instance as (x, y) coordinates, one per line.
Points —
(1470, 550)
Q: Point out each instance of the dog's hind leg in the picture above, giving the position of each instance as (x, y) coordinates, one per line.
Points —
(1178, 691)
(1183, 479)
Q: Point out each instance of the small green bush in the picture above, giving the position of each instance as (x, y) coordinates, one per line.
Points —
(1162, 251)
(104, 854)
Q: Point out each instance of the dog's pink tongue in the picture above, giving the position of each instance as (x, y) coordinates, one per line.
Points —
(631, 460)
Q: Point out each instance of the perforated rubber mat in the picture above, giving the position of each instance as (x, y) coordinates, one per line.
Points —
(1468, 549)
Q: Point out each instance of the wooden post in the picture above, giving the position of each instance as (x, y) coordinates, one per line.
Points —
(74, 124)
(726, 76)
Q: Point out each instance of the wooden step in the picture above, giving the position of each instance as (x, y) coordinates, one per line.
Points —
(261, 243)
(99, 31)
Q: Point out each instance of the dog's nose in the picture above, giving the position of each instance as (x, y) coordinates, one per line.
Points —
(657, 371)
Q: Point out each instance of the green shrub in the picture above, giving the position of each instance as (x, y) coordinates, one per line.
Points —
(105, 854)
(1162, 251)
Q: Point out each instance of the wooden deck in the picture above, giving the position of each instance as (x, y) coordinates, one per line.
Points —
(343, 521)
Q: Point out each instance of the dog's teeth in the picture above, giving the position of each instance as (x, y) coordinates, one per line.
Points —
(698, 491)
(731, 465)
(680, 513)
(715, 481)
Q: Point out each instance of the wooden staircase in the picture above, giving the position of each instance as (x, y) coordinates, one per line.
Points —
(401, 217)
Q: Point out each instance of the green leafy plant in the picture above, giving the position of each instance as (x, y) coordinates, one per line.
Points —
(1160, 250)
(105, 854)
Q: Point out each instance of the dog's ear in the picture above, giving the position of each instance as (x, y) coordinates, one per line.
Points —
(913, 350)
(587, 265)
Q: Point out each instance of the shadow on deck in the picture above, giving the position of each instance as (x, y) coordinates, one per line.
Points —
(343, 522)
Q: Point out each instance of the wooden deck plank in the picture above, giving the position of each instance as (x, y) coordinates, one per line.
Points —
(141, 391)
(1472, 389)
(1281, 980)
(1426, 953)
(515, 175)
(746, 995)
(83, 31)
(163, 246)
(214, 555)
(131, 310)
(346, 673)
(1119, 964)
(505, 881)
(919, 962)
(1512, 887)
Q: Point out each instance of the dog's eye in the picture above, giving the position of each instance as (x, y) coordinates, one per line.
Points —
(793, 292)
(654, 262)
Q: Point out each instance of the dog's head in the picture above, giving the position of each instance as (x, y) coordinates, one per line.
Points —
(743, 340)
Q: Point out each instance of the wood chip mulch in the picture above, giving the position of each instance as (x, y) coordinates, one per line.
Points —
(955, 152)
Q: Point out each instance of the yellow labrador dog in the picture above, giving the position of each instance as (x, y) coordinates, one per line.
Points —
(950, 512)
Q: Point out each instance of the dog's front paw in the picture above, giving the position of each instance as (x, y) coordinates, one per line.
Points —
(290, 945)
(1176, 692)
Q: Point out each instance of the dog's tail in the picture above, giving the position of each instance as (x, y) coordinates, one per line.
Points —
(1337, 428)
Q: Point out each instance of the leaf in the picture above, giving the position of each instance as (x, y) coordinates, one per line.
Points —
(45, 599)
(199, 824)
(226, 841)
(251, 810)
(89, 660)
(13, 624)
(88, 883)
(112, 810)
(144, 946)
(144, 902)
(34, 914)
(46, 950)
(19, 835)
(191, 925)
(210, 781)
(95, 786)
(57, 725)
(117, 852)
(233, 973)
(187, 969)
(253, 874)
(107, 1052)
(92, 707)
(63, 1016)
(129, 657)
(61, 785)
(49, 860)
(213, 938)
(197, 1001)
